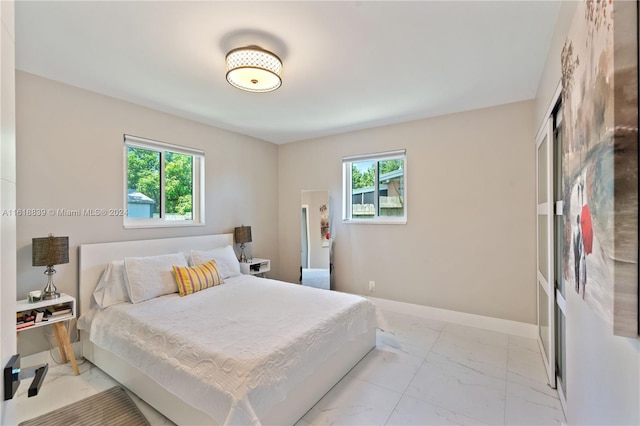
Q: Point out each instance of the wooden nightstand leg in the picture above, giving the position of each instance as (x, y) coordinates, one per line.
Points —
(66, 342)
(57, 329)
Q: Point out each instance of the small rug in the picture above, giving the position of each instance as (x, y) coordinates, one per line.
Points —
(111, 407)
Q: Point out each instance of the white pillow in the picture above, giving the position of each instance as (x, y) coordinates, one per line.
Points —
(152, 276)
(111, 288)
(225, 258)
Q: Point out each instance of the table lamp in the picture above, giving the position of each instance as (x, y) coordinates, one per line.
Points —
(50, 251)
(242, 235)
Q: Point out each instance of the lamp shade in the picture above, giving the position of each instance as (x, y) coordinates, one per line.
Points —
(49, 251)
(243, 234)
(253, 69)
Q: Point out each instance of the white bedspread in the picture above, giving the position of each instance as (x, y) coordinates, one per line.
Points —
(234, 350)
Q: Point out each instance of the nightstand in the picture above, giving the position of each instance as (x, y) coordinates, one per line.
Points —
(256, 266)
(62, 309)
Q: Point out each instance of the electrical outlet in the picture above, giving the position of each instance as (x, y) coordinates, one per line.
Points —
(372, 286)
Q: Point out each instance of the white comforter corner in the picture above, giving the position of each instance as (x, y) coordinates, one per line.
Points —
(235, 350)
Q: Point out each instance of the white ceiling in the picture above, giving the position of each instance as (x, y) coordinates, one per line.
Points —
(347, 65)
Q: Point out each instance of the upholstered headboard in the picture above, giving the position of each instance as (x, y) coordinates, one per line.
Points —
(95, 257)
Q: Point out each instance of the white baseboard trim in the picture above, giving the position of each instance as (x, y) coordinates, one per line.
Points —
(516, 328)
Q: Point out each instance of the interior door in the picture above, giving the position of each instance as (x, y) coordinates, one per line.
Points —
(7, 325)
(545, 258)
(7, 202)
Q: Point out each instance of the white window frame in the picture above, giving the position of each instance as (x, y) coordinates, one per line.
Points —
(198, 183)
(347, 186)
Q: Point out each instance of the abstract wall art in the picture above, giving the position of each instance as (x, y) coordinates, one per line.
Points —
(600, 160)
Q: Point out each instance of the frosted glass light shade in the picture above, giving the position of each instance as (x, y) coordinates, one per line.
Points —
(254, 69)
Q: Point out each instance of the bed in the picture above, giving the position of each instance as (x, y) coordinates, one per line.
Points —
(249, 351)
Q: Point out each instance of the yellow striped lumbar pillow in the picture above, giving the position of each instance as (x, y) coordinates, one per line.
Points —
(196, 278)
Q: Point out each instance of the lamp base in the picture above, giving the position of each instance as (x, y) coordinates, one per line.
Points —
(50, 295)
(50, 292)
(243, 258)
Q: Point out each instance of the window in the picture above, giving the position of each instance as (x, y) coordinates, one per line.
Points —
(164, 184)
(374, 188)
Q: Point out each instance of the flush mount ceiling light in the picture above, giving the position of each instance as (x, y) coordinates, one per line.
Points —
(254, 69)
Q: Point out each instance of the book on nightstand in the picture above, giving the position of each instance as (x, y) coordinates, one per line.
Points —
(21, 325)
(52, 312)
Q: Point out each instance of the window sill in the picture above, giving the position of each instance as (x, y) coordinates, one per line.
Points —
(160, 224)
(398, 221)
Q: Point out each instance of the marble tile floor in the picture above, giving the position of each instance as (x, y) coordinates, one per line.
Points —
(422, 372)
(61, 387)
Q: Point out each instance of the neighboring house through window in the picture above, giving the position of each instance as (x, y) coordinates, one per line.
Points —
(164, 184)
(374, 188)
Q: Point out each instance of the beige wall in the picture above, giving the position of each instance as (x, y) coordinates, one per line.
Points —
(603, 370)
(70, 156)
(469, 243)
